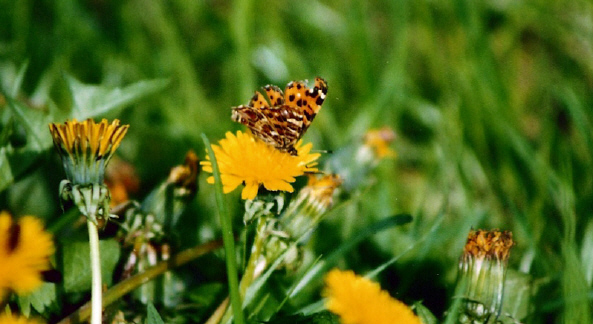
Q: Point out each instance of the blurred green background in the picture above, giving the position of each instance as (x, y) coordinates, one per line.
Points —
(491, 100)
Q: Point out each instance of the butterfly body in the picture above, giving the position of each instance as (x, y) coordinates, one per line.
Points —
(283, 120)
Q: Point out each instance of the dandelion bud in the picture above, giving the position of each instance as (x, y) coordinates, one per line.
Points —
(312, 202)
(482, 270)
(86, 148)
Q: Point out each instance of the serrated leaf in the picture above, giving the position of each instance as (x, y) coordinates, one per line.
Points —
(15, 162)
(77, 264)
(35, 123)
(92, 101)
(152, 316)
(88, 101)
(24, 305)
(41, 299)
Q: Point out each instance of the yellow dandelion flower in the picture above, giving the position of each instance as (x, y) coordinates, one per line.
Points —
(358, 300)
(25, 249)
(15, 319)
(242, 158)
(86, 147)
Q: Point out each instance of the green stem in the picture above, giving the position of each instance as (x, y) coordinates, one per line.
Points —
(227, 239)
(256, 251)
(121, 289)
(96, 291)
(249, 274)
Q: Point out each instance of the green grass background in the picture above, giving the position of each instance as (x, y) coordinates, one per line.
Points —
(492, 102)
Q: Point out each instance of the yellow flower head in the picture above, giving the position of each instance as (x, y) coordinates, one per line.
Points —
(25, 249)
(378, 140)
(86, 147)
(15, 319)
(358, 300)
(244, 159)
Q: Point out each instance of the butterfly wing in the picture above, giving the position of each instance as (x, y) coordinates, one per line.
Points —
(308, 101)
(275, 94)
(284, 120)
(280, 127)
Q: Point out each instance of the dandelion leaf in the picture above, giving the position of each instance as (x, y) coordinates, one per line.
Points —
(152, 316)
(77, 264)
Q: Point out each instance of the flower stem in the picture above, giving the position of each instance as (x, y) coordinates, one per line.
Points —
(254, 258)
(227, 239)
(116, 292)
(96, 291)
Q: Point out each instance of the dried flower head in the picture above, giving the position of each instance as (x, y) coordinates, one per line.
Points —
(482, 271)
(489, 245)
(25, 248)
(244, 159)
(378, 140)
(185, 176)
(358, 300)
(311, 204)
(320, 190)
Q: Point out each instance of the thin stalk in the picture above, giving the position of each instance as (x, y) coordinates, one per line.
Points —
(121, 289)
(216, 317)
(227, 239)
(96, 293)
(249, 274)
(258, 246)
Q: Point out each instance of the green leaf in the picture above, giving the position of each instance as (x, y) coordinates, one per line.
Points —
(92, 100)
(425, 314)
(152, 316)
(518, 290)
(6, 175)
(88, 101)
(18, 81)
(14, 162)
(41, 299)
(35, 122)
(77, 264)
(25, 305)
(206, 294)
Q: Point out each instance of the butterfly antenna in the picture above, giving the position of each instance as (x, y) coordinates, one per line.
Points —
(323, 151)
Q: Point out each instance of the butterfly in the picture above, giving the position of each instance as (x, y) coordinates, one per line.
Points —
(283, 120)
